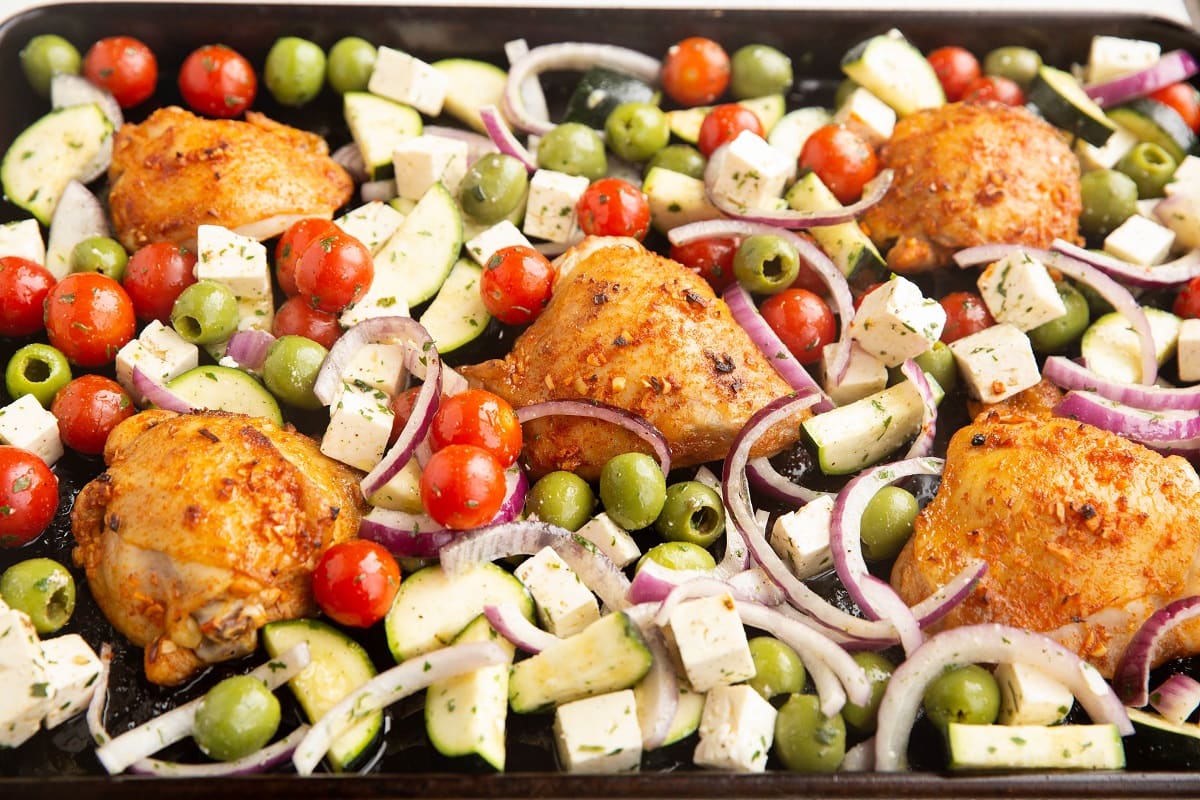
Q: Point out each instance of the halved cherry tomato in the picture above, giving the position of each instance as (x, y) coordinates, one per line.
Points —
(723, 124)
(87, 409)
(462, 486)
(89, 317)
(355, 582)
(613, 207)
(28, 496)
(218, 81)
(297, 316)
(841, 159)
(155, 276)
(516, 285)
(480, 418)
(24, 285)
(334, 271)
(1184, 98)
(1187, 302)
(995, 88)
(711, 259)
(956, 68)
(402, 404)
(695, 71)
(124, 66)
(966, 313)
(292, 243)
(802, 320)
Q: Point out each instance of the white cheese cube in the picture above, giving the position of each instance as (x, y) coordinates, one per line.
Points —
(996, 362)
(895, 322)
(402, 492)
(405, 79)
(868, 116)
(737, 730)
(27, 691)
(564, 604)
(708, 636)
(23, 238)
(159, 352)
(865, 375)
(1181, 213)
(1113, 57)
(750, 173)
(360, 422)
(599, 734)
(377, 366)
(1186, 178)
(487, 242)
(611, 539)
(1140, 240)
(237, 261)
(72, 668)
(371, 223)
(25, 424)
(801, 537)
(1029, 696)
(1018, 290)
(1187, 352)
(550, 209)
(255, 313)
(1108, 154)
(424, 160)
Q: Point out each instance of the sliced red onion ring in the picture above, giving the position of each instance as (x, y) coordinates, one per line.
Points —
(736, 558)
(658, 699)
(504, 139)
(1176, 698)
(531, 90)
(766, 479)
(158, 395)
(267, 758)
(860, 758)
(1167, 274)
(1116, 294)
(593, 409)
(249, 348)
(350, 158)
(702, 586)
(923, 444)
(389, 687)
(1070, 375)
(95, 709)
(653, 582)
(381, 190)
(1137, 424)
(477, 144)
(1132, 676)
(510, 623)
(1171, 67)
(984, 644)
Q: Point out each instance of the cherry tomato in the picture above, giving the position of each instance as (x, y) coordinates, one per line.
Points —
(841, 159)
(402, 404)
(297, 316)
(155, 276)
(355, 582)
(217, 81)
(480, 418)
(956, 69)
(711, 259)
(516, 285)
(89, 317)
(87, 409)
(613, 207)
(334, 271)
(292, 243)
(28, 496)
(802, 320)
(995, 88)
(24, 285)
(462, 486)
(1187, 302)
(124, 66)
(723, 124)
(695, 71)
(1184, 98)
(966, 313)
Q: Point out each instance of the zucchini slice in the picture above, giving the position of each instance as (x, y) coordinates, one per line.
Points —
(895, 71)
(1064, 103)
(1159, 742)
(600, 90)
(1151, 121)
(1010, 747)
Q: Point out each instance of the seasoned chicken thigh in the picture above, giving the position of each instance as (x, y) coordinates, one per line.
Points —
(204, 528)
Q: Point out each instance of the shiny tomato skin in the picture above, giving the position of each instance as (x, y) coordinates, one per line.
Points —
(613, 207)
(842, 159)
(481, 418)
(297, 316)
(462, 486)
(1187, 302)
(89, 317)
(711, 259)
(24, 285)
(994, 88)
(517, 284)
(155, 276)
(124, 66)
(355, 582)
(1184, 98)
(956, 68)
(334, 271)
(218, 81)
(966, 313)
(87, 409)
(802, 320)
(695, 71)
(292, 243)
(28, 496)
(723, 124)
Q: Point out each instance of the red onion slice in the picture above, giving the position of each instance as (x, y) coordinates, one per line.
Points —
(504, 139)
(1171, 67)
(1137, 424)
(923, 444)
(653, 583)
(1070, 375)
(350, 158)
(1176, 698)
(1132, 676)
(658, 691)
(594, 409)
(766, 479)
(267, 758)
(158, 395)
(477, 144)
(510, 623)
(984, 644)
(249, 348)
(531, 90)
(860, 758)
(1167, 274)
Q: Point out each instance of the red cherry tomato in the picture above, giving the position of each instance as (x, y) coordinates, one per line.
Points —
(124, 66)
(723, 124)
(292, 243)
(695, 71)
(613, 207)
(966, 313)
(334, 271)
(711, 259)
(217, 81)
(87, 409)
(89, 317)
(155, 276)
(355, 582)
(841, 159)
(480, 418)
(1187, 302)
(1184, 98)
(28, 496)
(24, 285)
(956, 68)
(297, 316)
(995, 88)
(462, 486)
(802, 320)
(516, 285)
(402, 405)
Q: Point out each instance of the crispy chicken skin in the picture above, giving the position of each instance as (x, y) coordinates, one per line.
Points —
(633, 329)
(176, 171)
(969, 174)
(1085, 533)
(205, 527)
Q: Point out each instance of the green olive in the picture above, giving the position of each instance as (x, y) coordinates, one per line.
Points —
(102, 254)
(861, 719)
(1150, 166)
(205, 312)
(805, 739)
(290, 370)
(1109, 198)
(679, 555)
(575, 149)
(965, 694)
(692, 512)
(561, 498)
(759, 69)
(635, 130)
(351, 61)
(295, 70)
(633, 490)
(765, 263)
(45, 56)
(1018, 64)
(494, 186)
(939, 362)
(37, 369)
(235, 718)
(681, 158)
(1058, 334)
(887, 522)
(778, 669)
(43, 589)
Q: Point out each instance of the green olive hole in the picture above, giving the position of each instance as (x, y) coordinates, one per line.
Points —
(59, 607)
(705, 520)
(36, 371)
(188, 327)
(773, 270)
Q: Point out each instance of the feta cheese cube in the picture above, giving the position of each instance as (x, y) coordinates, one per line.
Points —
(895, 322)
(72, 668)
(1108, 154)
(27, 689)
(868, 116)
(611, 539)
(237, 261)
(599, 734)
(424, 160)
(1187, 352)
(801, 537)
(372, 224)
(159, 352)
(1140, 240)
(737, 730)
(25, 424)
(550, 209)
(23, 238)
(402, 492)
(708, 636)
(1113, 57)
(750, 173)
(865, 375)
(1019, 290)
(377, 366)
(1029, 696)
(564, 604)
(405, 79)
(996, 362)
(487, 242)
(360, 422)
(1186, 178)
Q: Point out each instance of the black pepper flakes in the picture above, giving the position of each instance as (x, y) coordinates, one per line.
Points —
(599, 298)
(1087, 511)
(978, 440)
(207, 434)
